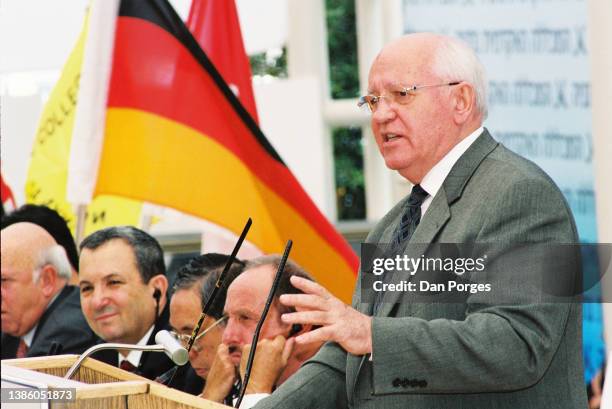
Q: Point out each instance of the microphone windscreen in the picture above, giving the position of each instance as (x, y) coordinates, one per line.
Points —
(172, 347)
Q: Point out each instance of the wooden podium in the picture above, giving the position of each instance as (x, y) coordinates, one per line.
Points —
(99, 385)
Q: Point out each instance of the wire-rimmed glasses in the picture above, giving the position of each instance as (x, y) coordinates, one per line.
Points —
(401, 96)
(184, 338)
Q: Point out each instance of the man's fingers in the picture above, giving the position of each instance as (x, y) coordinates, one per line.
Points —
(288, 349)
(318, 335)
(222, 350)
(303, 301)
(307, 317)
(278, 343)
(309, 287)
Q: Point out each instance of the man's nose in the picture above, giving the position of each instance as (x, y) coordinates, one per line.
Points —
(193, 354)
(99, 299)
(384, 112)
(231, 334)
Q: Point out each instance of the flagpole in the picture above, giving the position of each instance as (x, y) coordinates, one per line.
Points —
(81, 213)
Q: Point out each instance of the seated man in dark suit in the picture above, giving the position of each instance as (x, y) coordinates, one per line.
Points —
(194, 283)
(123, 295)
(41, 314)
(276, 358)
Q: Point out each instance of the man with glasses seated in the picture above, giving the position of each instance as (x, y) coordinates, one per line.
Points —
(194, 283)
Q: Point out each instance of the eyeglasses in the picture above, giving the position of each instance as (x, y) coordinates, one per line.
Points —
(400, 97)
(184, 338)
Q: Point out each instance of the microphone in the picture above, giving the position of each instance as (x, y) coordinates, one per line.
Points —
(166, 343)
(172, 347)
(218, 284)
(264, 314)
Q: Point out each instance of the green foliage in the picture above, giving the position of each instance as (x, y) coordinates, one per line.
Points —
(348, 169)
(342, 43)
(344, 83)
(267, 63)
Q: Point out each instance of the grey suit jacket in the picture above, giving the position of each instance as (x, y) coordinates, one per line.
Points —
(472, 355)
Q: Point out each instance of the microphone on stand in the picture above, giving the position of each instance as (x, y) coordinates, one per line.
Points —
(166, 343)
(172, 347)
(264, 314)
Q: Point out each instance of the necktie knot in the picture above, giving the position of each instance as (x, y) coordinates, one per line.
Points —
(127, 366)
(417, 196)
(22, 349)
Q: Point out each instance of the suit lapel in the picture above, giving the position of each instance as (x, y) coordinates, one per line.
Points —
(41, 322)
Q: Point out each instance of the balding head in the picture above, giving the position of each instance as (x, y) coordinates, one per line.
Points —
(22, 243)
(34, 270)
(427, 93)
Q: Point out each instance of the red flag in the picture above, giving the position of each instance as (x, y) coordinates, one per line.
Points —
(8, 200)
(216, 27)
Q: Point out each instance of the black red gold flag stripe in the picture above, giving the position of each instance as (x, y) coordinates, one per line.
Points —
(177, 136)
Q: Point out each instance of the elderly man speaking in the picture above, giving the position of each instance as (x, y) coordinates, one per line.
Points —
(427, 98)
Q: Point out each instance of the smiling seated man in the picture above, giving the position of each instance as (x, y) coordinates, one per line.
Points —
(123, 295)
(276, 358)
(194, 284)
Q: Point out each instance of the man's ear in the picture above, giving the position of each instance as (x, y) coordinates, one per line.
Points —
(47, 280)
(160, 283)
(464, 102)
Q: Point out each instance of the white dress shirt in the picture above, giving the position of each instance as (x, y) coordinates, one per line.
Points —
(433, 180)
(133, 357)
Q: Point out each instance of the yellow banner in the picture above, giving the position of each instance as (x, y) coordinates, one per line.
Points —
(48, 172)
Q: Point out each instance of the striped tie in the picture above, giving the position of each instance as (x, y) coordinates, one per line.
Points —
(408, 224)
(411, 217)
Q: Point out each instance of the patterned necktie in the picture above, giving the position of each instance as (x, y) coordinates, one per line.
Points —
(408, 224)
(411, 217)
(22, 349)
(127, 366)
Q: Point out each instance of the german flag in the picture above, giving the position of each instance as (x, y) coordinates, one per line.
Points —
(177, 136)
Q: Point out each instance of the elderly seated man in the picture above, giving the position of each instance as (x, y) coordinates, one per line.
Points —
(277, 357)
(41, 313)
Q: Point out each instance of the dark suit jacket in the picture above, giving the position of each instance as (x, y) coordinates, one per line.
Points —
(152, 364)
(184, 379)
(62, 323)
(476, 354)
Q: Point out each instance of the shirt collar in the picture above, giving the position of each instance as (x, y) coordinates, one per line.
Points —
(29, 337)
(133, 357)
(433, 180)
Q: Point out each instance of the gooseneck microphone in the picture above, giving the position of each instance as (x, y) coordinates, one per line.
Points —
(218, 284)
(264, 314)
(172, 347)
(165, 343)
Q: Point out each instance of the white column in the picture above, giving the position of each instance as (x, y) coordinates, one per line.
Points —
(600, 52)
(377, 23)
(307, 57)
